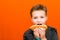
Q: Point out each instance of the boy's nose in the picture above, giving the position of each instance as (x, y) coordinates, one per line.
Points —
(38, 20)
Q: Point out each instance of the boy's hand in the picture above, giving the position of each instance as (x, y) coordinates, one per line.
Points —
(39, 33)
(36, 33)
(42, 33)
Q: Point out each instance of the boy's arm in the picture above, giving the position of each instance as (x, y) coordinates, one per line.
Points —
(28, 35)
(55, 35)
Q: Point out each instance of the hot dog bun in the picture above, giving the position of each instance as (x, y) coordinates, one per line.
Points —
(44, 27)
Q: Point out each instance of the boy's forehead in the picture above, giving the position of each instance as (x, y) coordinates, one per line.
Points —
(38, 12)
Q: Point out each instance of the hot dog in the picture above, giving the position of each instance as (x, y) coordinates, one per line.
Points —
(43, 27)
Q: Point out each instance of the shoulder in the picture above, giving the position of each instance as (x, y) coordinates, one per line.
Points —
(51, 33)
(52, 29)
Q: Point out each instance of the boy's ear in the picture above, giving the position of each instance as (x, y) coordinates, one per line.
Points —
(46, 18)
(31, 18)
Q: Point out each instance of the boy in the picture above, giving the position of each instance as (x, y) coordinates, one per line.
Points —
(39, 17)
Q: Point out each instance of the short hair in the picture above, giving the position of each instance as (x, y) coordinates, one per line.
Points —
(38, 7)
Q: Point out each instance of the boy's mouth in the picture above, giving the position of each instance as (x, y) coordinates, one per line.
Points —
(39, 24)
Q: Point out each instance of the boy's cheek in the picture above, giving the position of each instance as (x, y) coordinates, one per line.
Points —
(34, 21)
(44, 21)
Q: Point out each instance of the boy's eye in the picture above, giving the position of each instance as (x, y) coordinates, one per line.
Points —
(35, 17)
(42, 17)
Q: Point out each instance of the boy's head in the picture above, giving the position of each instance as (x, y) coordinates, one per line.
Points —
(38, 14)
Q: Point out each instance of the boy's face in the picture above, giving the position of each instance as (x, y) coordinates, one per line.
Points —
(39, 17)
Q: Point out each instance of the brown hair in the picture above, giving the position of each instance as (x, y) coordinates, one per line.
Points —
(38, 7)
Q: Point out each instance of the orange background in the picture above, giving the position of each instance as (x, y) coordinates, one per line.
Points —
(15, 17)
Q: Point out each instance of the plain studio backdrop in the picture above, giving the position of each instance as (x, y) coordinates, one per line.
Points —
(15, 17)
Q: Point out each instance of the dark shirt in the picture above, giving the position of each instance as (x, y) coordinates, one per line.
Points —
(51, 34)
